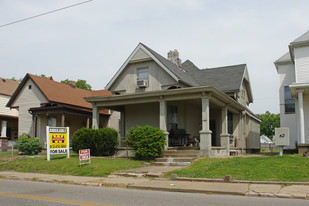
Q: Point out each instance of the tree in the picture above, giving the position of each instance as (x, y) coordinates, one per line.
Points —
(269, 122)
(82, 84)
(16, 80)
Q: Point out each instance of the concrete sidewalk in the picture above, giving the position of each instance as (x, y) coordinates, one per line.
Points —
(246, 189)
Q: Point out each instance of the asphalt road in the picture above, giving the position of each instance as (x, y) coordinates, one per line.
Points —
(15, 192)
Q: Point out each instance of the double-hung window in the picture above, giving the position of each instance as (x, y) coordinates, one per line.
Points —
(289, 103)
(143, 73)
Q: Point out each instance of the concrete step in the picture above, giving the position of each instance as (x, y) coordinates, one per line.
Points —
(177, 159)
(171, 163)
(181, 153)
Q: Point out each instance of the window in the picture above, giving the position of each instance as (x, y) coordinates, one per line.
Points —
(29, 86)
(143, 74)
(289, 102)
(230, 123)
(51, 121)
(172, 115)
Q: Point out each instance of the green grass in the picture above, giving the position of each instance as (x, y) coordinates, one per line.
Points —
(274, 168)
(59, 164)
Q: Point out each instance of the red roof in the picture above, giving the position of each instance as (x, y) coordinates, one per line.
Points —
(7, 86)
(62, 93)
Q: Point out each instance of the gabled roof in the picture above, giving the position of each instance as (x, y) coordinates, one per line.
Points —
(176, 73)
(286, 58)
(227, 79)
(7, 86)
(302, 39)
(56, 92)
(179, 72)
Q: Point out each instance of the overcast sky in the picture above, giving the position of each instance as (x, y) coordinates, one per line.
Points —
(93, 40)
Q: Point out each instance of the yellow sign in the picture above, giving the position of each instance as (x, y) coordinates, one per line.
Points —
(58, 138)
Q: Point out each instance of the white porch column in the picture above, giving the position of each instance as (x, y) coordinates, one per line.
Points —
(225, 139)
(95, 117)
(205, 133)
(301, 116)
(3, 128)
(163, 116)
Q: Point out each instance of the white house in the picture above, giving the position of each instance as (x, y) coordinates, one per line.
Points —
(293, 71)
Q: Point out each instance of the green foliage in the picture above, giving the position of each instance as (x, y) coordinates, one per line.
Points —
(28, 145)
(147, 142)
(16, 80)
(269, 122)
(264, 168)
(101, 142)
(82, 84)
(59, 164)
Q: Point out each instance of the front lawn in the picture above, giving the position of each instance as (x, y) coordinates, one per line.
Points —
(59, 164)
(275, 168)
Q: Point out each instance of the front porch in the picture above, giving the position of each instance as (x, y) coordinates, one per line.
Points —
(57, 115)
(202, 117)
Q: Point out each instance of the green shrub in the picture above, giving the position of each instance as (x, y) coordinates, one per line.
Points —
(101, 142)
(28, 145)
(147, 142)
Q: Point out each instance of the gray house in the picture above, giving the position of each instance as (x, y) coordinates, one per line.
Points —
(188, 103)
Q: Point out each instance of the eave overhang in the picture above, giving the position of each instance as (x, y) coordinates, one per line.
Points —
(215, 95)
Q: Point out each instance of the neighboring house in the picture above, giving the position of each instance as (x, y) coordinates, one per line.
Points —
(266, 143)
(44, 102)
(8, 117)
(209, 104)
(293, 71)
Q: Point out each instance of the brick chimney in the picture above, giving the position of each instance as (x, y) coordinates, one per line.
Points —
(173, 56)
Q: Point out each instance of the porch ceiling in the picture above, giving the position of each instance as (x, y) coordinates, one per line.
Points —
(217, 98)
(299, 86)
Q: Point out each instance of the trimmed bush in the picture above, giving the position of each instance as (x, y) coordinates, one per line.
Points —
(147, 142)
(101, 142)
(29, 145)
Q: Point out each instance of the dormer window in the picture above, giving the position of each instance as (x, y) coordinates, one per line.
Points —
(142, 77)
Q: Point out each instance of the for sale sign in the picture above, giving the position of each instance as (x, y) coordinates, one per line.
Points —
(84, 157)
(57, 139)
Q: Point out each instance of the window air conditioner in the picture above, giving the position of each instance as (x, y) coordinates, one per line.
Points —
(142, 83)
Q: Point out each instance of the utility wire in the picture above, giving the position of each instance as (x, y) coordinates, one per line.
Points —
(32, 17)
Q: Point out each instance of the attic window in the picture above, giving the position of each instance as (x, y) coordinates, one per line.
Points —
(29, 86)
(143, 74)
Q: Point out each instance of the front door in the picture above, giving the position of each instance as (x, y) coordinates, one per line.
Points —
(213, 134)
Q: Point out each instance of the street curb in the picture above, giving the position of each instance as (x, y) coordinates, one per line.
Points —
(185, 190)
(237, 181)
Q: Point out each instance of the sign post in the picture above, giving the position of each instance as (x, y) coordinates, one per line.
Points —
(84, 157)
(57, 139)
(282, 138)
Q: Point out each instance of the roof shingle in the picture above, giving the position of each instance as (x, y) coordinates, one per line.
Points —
(7, 86)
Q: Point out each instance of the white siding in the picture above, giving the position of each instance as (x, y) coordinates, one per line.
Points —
(6, 110)
(286, 77)
(302, 64)
(26, 99)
